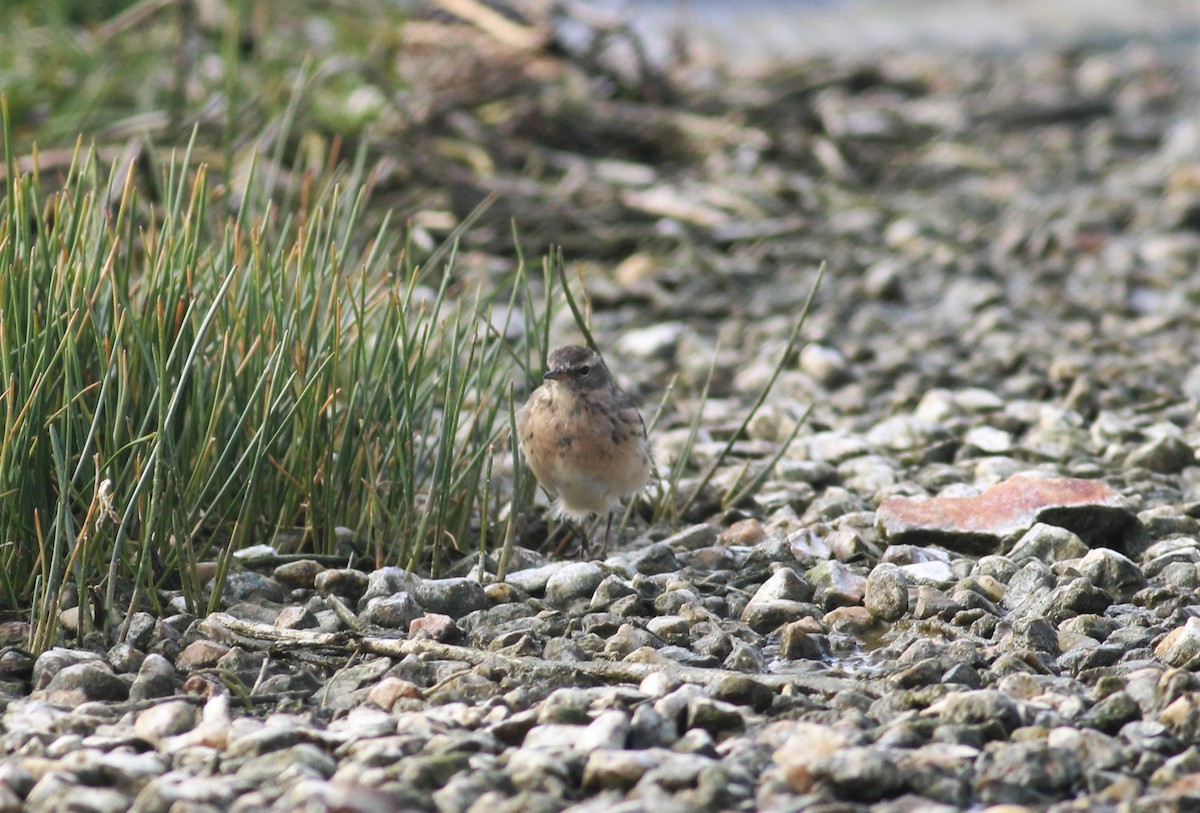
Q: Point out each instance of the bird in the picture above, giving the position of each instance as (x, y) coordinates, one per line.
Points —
(583, 438)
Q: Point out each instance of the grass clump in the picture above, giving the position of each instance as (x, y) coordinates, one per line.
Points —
(204, 352)
(179, 384)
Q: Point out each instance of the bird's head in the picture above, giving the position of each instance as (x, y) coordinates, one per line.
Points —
(577, 368)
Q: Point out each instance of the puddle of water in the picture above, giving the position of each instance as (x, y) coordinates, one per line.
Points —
(853, 656)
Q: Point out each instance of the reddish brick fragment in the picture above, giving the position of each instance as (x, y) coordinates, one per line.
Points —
(986, 522)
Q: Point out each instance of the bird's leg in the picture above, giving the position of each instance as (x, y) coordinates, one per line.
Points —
(607, 531)
(581, 531)
(573, 530)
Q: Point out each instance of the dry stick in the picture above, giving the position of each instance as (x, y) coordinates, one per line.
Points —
(344, 613)
(496, 25)
(261, 636)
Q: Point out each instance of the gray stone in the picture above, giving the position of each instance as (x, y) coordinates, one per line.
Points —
(18, 780)
(934, 574)
(656, 558)
(930, 602)
(826, 364)
(836, 584)
(1029, 772)
(179, 790)
(573, 582)
(282, 766)
(347, 583)
(1000, 568)
(339, 692)
(806, 545)
(10, 799)
(396, 611)
(91, 680)
(1167, 552)
(677, 601)
(296, 617)
(164, 720)
(54, 660)
(742, 691)
(901, 433)
(381, 582)
(1165, 521)
(1165, 455)
(694, 537)
(553, 770)
(1181, 646)
(452, 597)
(744, 657)
(648, 729)
(569, 705)
(715, 643)
(1028, 585)
(798, 642)
(613, 587)
(656, 340)
(784, 583)
(619, 770)
(1112, 713)
(533, 580)
(982, 707)
(864, 774)
(714, 716)
(672, 629)
(141, 627)
(835, 446)
(767, 616)
(886, 594)
(609, 730)
(155, 678)
(629, 638)
(257, 740)
(1076, 597)
(300, 574)
(988, 440)
(126, 658)
(1112, 572)
(245, 586)
(914, 554)
(55, 791)
(1047, 543)
(1033, 632)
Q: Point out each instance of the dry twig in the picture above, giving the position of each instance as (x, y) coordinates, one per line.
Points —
(256, 635)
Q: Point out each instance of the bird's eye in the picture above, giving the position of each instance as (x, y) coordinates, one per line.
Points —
(585, 369)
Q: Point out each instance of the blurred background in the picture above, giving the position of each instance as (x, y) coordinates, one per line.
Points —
(753, 29)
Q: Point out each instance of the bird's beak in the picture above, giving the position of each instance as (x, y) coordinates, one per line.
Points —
(555, 375)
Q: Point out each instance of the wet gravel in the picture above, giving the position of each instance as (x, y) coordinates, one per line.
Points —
(1011, 303)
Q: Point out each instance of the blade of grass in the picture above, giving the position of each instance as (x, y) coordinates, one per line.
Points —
(581, 320)
(176, 399)
(789, 348)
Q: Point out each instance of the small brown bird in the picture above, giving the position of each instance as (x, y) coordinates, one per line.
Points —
(583, 438)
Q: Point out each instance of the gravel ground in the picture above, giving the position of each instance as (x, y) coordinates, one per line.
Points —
(971, 581)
